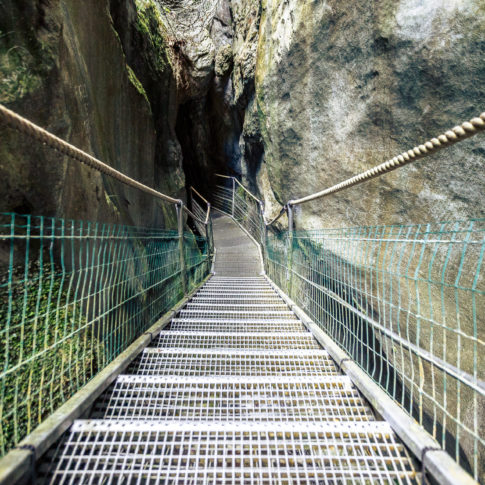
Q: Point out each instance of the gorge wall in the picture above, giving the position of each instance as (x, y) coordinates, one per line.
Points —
(341, 86)
(291, 96)
(98, 75)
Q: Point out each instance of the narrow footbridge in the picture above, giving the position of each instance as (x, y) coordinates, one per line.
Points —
(237, 349)
(236, 390)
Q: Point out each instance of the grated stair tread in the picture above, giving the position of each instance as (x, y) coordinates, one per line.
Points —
(186, 452)
(234, 399)
(237, 390)
(237, 340)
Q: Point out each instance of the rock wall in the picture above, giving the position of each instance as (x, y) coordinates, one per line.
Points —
(97, 74)
(342, 86)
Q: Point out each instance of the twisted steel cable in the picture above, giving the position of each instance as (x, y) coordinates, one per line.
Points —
(450, 137)
(25, 126)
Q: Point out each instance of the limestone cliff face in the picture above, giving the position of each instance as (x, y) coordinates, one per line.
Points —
(96, 74)
(341, 86)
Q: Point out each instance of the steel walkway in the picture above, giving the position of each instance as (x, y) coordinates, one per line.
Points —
(236, 391)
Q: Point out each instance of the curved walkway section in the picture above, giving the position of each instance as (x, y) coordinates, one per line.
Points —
(236, 253)
(236, 391)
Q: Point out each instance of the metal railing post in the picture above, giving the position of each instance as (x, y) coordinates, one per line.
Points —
(233, 194)
(261, 211)
(208, 231)
(289, 251)
(180, 224)
(263, 232)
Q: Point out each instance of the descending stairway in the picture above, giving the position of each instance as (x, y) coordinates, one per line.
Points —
(236, 391)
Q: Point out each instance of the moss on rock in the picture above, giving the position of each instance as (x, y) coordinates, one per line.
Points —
(149, 23)
(136, 82)
(224, 61)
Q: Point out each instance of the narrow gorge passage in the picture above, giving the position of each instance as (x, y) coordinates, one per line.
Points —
(237, 390)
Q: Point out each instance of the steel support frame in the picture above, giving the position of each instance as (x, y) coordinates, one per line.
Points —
(289, 248)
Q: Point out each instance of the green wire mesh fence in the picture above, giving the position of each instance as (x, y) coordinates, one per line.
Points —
(74, 295)
(407, 303)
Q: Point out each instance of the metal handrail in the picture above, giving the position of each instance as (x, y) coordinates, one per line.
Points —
(247, 191)
(282, 211)
(191, 214)
(240, 185)
(199, 194)
(208, 213)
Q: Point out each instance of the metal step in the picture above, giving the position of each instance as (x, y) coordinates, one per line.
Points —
(237, 340)
(228, 315)
(236, 291)
(106, 451)
(214, 325)
(234, 399)
(210, 362)
(227, 299)
(238, 296)
(193, 305)
(230, 279)
(237, 284)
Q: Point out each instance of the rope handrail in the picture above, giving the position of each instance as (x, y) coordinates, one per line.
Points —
(450, 137)
(25, 126)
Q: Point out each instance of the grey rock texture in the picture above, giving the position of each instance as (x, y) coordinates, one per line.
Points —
(342, 86)
(78, 77)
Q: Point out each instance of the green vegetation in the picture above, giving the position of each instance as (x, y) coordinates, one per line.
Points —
(150, 25)
(136, 82)
(16, 75)
(47, 352)
(22, 67)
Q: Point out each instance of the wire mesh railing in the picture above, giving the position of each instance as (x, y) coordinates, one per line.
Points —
(235, 200)
(405, 302)
(74, 295)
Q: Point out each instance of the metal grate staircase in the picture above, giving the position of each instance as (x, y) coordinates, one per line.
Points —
(236, 391)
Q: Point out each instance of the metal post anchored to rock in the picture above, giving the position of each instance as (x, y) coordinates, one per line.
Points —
(180, 222)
